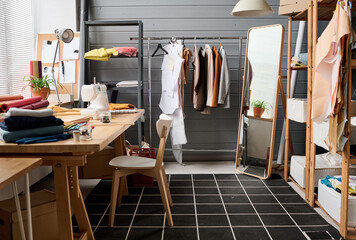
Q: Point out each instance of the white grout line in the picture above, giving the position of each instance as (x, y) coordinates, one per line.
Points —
(258, 215)
(134, 214)
(223, 204)
(195, 208)
(284, 208)
(101, 218)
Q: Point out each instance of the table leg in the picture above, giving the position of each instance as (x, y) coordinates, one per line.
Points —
(63, 200)
(78, 203)
(28, 208)
(18, 210)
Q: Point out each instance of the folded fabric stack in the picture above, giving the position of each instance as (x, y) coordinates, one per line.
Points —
(126, 51)
(25, 126)
(28, 103)
(334, 182)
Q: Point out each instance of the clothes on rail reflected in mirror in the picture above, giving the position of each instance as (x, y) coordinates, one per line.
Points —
(258, 114)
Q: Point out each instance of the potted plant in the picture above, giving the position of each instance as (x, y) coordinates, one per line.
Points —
(259, 107)
(39, 86)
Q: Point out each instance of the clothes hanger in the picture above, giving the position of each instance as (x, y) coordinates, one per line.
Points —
(159, 46)
(220, 45)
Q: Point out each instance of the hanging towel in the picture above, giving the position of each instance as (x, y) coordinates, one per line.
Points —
(20, 123)
(217, 72)
(20, 103)
(224, 88)
(101, 54)
(18, 112)
(8, 136)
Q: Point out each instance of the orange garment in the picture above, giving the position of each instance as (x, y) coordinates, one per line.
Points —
(120, 106)
(328, 57)
(187, 54)
(217, 72)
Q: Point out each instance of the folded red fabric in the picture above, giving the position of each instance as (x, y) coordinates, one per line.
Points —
(20, 103)
(36, 105)
(127, 51)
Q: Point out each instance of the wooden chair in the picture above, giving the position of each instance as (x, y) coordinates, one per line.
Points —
(126, 165)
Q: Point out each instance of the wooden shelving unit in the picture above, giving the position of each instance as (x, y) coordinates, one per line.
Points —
(320, 10)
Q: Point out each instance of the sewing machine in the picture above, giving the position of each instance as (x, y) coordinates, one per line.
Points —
(96, 95)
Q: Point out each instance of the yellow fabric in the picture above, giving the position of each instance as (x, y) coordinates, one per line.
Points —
(352, 192)
(120, 106)
(101, 54)
(64, 111)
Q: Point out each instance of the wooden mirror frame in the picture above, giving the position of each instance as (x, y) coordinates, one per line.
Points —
(279, 87)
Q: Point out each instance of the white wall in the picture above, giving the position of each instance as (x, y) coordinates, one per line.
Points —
(52, 14)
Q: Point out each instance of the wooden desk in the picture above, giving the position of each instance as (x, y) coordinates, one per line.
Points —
(12, 169)
(65, 157)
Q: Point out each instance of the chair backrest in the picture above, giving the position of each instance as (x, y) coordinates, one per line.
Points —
(163, 126)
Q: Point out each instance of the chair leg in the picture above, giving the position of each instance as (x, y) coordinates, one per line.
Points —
(163, 193)
(167, 187)
(114, 192)
(122, 190)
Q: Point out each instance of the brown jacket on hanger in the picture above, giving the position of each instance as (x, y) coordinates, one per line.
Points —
(217, 71)
(187, 54)
(200, 88)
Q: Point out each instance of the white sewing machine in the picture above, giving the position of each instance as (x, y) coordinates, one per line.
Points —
(96, 95)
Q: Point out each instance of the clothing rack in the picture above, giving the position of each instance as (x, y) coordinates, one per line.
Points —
(149, 39)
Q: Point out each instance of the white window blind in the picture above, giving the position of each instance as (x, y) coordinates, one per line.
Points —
(16, 45)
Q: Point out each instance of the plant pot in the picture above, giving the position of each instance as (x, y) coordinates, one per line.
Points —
(43, 93)
(257, 111)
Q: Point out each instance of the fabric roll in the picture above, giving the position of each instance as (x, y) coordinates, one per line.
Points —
(36, 105)
(20, 123)
(9, 98)
(44, 139)
(18, 112)
(20, 103)
(36, 68)
(8, 136)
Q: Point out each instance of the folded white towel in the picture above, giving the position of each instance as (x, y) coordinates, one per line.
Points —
(18, 112)
(127, 84)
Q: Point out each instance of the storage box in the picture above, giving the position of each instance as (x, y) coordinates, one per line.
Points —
(297, 109)
(44, 217)
(97, 166)
(330, 200)
(322, 169)
(139, 179)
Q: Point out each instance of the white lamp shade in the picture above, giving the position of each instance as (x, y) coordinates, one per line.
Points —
(250, 8)
(65, 34)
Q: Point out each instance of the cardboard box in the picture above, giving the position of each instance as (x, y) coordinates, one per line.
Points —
(44, 217)
(97, 166)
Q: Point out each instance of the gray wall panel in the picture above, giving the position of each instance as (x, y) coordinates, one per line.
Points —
(186, 18)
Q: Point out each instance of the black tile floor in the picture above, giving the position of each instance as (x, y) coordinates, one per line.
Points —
(209, 207)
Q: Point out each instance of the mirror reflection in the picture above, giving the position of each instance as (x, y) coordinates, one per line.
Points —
(259, 101)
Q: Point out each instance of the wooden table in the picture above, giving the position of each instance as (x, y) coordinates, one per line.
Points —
(65, 157)
(12, 169)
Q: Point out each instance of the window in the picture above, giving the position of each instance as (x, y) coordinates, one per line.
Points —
(16, 44)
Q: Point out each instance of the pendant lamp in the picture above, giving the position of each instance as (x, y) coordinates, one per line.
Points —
(251, 8)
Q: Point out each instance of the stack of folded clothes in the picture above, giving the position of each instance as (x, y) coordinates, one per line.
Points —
(25, 126)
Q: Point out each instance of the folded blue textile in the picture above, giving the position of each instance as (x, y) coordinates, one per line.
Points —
(327, 182)
(20, 123)
(8, 136)
(51, 138)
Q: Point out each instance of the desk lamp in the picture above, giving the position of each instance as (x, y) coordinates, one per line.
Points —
(66, 35)
(251, 8)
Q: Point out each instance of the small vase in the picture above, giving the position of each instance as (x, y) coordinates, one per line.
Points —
(257, 111)
(43, 93)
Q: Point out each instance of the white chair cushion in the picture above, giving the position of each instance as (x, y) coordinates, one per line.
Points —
(132, 162)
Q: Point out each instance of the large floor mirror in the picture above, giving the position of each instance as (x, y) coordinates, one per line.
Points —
(259, 101)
